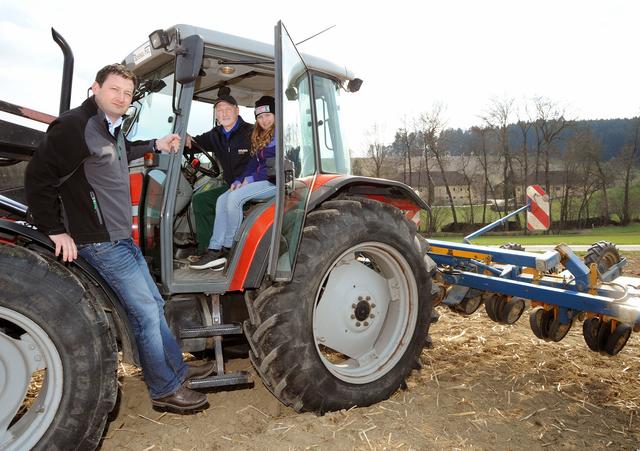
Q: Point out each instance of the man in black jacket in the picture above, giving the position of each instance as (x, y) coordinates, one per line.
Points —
(77, 188)
(230, 141)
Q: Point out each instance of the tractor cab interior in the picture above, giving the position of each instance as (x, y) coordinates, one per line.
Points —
(310, 93)
(154, 112)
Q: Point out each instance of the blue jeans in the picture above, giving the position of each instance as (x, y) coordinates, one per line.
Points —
(229, 211)
(122, 265)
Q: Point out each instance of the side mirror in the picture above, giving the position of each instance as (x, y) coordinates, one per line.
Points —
(354, 85)
(189, 59)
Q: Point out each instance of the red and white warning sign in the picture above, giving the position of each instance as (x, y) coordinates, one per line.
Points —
(538, 213)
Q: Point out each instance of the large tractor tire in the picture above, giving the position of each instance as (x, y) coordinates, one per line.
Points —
(58, 357)
(351, 325)
(604, 254)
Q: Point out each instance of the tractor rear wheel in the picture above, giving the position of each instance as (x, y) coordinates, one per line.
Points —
(351, 325)
(57, 357)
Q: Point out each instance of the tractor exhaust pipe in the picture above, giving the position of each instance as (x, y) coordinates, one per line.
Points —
(67, 71)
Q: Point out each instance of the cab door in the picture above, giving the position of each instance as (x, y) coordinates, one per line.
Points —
(296, 164)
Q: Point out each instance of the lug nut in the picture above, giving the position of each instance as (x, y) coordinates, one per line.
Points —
(359, 298)
(353, 316)
(368, 298)
(372, 316)
(373, 306)
(366, 323)
(353, 305)
(357, 324)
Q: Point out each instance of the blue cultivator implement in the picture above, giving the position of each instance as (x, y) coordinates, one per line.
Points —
(561, 287)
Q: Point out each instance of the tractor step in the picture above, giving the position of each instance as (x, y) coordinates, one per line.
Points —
(222, 380)
(211, 331)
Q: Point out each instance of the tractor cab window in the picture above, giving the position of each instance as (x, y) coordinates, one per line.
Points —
(151, 113)
(298, 131)
(334, 155)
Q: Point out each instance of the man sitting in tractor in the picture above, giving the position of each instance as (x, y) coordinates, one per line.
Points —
(83, 161)
(230, 142)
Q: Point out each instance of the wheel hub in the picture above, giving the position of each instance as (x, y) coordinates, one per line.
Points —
(362, 309)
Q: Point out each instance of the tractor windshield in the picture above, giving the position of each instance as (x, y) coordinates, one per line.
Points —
(151, 115)
(334, 154)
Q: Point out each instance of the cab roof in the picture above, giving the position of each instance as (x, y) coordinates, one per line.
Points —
(244, 65)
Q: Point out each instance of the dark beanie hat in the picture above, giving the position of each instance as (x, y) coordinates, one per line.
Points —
(265, 104)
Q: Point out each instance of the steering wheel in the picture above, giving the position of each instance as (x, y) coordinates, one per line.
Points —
(193, 164)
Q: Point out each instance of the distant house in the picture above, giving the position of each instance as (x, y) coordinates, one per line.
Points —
(435, 187)
(557, 181)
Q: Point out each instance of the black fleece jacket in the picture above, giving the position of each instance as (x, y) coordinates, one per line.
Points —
(96, 197)
(234, 153)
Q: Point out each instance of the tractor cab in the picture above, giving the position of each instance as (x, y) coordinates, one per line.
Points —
(182, 70)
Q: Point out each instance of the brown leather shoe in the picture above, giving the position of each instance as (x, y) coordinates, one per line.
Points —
(200, 371)
(183, 400)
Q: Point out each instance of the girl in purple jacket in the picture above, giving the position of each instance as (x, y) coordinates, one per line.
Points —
(253, 184)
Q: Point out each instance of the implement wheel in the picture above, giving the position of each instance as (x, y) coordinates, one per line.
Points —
(469, 305)
(512, 311)
(351, 325)
(618, 339)
(604, 254)
(590, 332)
(546, 326)
(493, 304)
(604, 333)
(535, 321)
(557, 331)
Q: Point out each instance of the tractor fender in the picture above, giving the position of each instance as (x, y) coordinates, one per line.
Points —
(38, 243)
(398, 194)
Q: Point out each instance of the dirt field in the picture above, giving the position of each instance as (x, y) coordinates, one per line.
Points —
(482, 386)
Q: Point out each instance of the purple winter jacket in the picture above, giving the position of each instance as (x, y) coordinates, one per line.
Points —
(256, 169)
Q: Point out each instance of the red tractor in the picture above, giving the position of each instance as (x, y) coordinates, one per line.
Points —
(328, 283)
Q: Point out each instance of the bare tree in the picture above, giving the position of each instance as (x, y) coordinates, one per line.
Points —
(406, 139)
(580, 180)
(524, 125)
(497, 118)
(590, 149)
(630, 156)
(432, 125)
(424, 140)
(482, 155)
(550, 122)
(378, 151)
(467, 173)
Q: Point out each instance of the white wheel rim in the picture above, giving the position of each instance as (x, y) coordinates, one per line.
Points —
(22, 353)
(365, 312)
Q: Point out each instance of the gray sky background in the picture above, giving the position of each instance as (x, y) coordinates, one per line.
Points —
(581, 54)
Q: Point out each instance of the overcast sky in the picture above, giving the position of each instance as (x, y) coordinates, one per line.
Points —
(582, 54)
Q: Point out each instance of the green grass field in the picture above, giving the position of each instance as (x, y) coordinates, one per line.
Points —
(618, 235)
